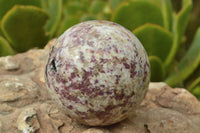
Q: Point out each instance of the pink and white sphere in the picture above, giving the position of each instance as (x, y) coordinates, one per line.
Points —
(98, 72)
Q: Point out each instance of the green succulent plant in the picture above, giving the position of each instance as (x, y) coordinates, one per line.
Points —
(25, 24)
(159, 24)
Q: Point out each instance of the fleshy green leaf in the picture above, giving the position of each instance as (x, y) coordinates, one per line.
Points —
(6, 5)
(97, 6)
(185, 2)
(1, 33)
(156, 40)
(23, 27)
(157, 1)
(87, 17)
(54, 8)
(5, 48)
(181, 21)
(73, 8)
(196, 91)
(136, 13)
(77, 8)
(182, 18)
(67, 23)
(188, 64)
(64, 2)
(104, 16)
(115, 3)
(166, 7)
(85, 4)
(188, 83)
(195, 88)
(194, 84)
(157, 69)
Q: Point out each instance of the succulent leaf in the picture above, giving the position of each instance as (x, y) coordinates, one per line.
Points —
(136, 13)
(195, 88)
(166, 7)
(181, 21)
(64, 2)
(186, 2)
(1, 33)
(6, 5)
(182, 18)
(23, 27)
(97, 6)
(73, 8)
(194, 84)
(54, 8)
(156, 40)
(188, 64)
(157, 69)
(67, 23)
(87, 17)
(115, 3)
(156, 1)
(5, 48)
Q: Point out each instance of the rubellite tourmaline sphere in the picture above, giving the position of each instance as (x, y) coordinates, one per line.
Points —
(98, 72)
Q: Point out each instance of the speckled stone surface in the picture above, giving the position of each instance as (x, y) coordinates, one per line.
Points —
(98, 72)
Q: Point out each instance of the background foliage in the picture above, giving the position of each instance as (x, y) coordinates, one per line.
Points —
(169, 30)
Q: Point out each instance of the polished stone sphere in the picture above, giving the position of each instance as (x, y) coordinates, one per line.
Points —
(98, 72)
